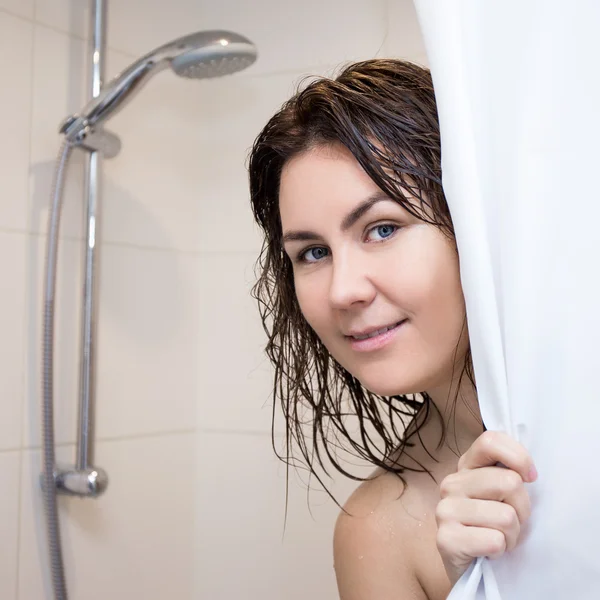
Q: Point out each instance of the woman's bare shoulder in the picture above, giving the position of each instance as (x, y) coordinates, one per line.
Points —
(382, 537)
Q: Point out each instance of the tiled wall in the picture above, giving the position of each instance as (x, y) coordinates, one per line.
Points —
(195, 506)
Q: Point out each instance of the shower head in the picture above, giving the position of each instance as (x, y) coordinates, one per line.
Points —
(200, 55)
(222, 57)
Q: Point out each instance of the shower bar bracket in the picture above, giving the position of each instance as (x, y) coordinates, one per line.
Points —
(84, 483)
(93, 139)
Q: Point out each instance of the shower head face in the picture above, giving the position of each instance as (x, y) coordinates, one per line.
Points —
(214, 54)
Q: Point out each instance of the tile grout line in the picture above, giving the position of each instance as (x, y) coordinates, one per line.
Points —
(10, 13)
(155, 435)
(39, 234)
(249, 432)
(72, 34)
(123, 438)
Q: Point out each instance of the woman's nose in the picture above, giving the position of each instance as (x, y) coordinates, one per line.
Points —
(350, 283)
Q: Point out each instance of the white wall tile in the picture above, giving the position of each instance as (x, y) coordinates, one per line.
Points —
(72, 16)
(22, 8)
(240, 506)
(136, 541)
(138, 26)
(66, 336)
(12, 288)
(59, 89)
(9, 523)
(16, 43)
(298, 35)
(147, 342)
(234, 377)
(404, 39)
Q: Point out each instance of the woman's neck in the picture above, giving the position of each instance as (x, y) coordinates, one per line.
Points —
(458, 407)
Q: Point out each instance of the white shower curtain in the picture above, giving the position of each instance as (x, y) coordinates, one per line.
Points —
(518, 91)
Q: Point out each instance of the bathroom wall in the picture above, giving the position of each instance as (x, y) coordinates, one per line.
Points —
(195, 506)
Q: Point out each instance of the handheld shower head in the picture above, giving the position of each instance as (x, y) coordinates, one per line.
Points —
(199, 55)
(224, 56)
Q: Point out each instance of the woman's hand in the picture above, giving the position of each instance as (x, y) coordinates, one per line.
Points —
(483, 506)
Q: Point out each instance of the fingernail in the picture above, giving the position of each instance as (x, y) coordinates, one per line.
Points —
(532, 475)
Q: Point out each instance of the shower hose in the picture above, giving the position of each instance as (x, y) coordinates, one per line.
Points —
(48, 486)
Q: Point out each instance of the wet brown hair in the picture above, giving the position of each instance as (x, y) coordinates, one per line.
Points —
(384, 112)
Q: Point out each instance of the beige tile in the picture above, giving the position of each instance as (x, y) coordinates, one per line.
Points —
(136, 541)
(12, 289)
(66, 337)
(292, 36)
(240, 510)
(9, 522)
(422, 60)
(22, 8)
(234, 377)
(59, 89)
(16, 42)
(404, 39)
(147, 341)
(138, 26)
(70, 16)
(133, 26)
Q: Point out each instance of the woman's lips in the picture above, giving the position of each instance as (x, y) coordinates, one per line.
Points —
(376, 340)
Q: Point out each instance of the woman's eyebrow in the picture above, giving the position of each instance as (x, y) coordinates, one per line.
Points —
(350, 219)
(362, 209)
(301, 236)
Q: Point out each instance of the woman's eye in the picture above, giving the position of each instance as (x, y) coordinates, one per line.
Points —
(314, 254)
(380, 232)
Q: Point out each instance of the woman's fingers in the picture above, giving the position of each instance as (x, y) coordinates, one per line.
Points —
(493, 447)
(485, 514)
(489, 483)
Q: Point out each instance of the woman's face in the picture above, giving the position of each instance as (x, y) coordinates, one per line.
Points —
(380, 288)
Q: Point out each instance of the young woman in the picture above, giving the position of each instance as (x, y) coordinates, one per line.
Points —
(361, 298)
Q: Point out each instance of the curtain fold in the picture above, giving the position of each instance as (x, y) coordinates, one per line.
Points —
(518, 91)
